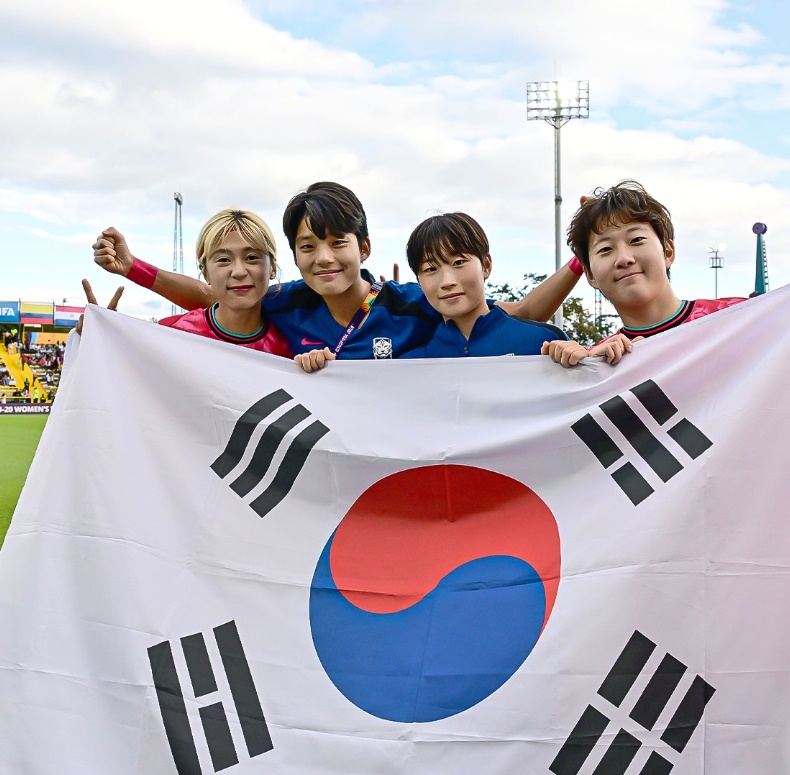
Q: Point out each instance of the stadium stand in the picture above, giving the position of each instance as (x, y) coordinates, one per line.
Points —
(39, 366)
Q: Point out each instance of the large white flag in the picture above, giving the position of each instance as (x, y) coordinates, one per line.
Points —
(497, 566)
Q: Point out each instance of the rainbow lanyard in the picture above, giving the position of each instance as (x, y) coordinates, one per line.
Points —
(359, 315)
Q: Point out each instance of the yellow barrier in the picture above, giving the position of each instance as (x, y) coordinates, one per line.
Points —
(21, 371)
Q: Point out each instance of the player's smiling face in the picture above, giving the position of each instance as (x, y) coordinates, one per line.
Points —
(629, 264)
(238, 273)
(455, 285)
(330, 265)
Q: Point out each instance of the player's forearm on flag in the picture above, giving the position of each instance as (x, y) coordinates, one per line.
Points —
(542, 302)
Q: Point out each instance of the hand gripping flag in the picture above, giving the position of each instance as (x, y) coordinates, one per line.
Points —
(221, 564)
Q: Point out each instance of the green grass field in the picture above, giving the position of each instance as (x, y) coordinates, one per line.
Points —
(19, 435)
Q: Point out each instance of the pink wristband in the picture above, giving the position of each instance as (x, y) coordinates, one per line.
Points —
(574, 265)
(142, 273)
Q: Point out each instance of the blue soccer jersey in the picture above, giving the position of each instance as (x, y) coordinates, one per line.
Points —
(493, 334)
(399, 320)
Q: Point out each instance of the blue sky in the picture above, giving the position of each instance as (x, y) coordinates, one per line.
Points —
(418, 106)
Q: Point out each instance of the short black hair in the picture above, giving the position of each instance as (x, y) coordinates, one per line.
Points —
(328, 208)
(627, 201)
(449, 234)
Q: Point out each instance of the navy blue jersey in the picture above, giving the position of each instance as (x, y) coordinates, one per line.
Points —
(399, 320)
(493, 334)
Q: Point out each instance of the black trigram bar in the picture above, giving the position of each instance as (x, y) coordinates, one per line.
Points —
(655, 400)
(632, 483)
(627, 668)
(218, 737)
(658, 691)
(687, 436)
(213, 718)
(293, 460)
(688, 715)
(243, 430)
(253, 724)
(292, 464)
(690, 438)
(598, 440)
(656, 764)
(267, 446)
(198, 664)
(618, 755)
(580, 742)
(601, 444)
(654, 453)
(173, 709)
(648, 707)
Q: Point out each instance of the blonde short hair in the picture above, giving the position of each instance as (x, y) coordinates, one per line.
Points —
(251, 226)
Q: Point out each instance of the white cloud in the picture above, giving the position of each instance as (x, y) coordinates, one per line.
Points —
(209, 34)
(130, 102)
(669, 59)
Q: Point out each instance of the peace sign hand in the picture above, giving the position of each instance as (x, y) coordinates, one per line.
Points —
(91, 297)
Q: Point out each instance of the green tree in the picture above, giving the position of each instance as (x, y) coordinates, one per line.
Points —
(578, 323)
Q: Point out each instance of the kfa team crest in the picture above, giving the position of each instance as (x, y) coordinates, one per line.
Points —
(382, 347)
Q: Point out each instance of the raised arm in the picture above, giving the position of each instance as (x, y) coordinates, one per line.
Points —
(544, 300)
(112, 254)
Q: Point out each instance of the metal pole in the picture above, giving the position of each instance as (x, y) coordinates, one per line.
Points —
(175, 234)
(558, 320)
(180, 242)
(556, 103)
(173, 308)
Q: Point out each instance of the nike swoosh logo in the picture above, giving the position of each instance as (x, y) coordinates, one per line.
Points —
(307, 341)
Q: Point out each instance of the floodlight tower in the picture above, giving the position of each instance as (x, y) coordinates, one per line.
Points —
(556, 103)
(761, 263)
(178, 242)
(716, 263)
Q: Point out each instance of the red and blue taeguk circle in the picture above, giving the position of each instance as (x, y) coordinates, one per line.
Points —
(433, 590)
